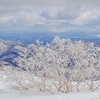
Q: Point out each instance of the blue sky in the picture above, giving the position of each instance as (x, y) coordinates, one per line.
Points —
(55, 16)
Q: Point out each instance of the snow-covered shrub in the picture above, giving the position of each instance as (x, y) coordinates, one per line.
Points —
(58, 64)
(18, 79)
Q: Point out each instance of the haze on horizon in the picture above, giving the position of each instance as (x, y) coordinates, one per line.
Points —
(55, 16)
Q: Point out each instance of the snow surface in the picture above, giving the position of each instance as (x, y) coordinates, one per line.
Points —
(69, 96)
(6, 94)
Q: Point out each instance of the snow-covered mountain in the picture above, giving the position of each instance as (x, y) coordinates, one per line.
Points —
(3, 48)
(11, 47)
(28, 38)
(8, 52)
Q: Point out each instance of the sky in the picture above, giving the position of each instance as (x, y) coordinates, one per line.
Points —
(55, 16)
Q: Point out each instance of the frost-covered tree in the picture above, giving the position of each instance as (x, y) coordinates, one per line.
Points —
(60, 63)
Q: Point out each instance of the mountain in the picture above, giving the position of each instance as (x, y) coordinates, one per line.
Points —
(28, 38)
(12, 44)
(7, 54)
(3, 48)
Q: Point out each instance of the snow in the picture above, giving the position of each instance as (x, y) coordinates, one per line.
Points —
(5, 94)
(34, 94)
(87, 65)
(69, 96)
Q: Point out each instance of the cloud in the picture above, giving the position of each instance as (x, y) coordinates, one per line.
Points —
(4, 20)
(45, 3)
(49, 15)
(25, 5)
(61, 13)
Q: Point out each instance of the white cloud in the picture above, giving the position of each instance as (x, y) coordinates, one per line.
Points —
(51, 15)
(83, 17)
(4, 20)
